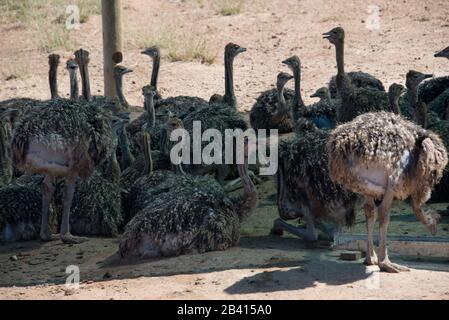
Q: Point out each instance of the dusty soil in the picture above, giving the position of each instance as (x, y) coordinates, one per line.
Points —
(262, 266)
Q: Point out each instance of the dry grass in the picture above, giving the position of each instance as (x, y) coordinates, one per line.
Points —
(17, 68)
(46, 19)
(176, 43)
(228, 7)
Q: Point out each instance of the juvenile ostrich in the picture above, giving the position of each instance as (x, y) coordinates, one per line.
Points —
(62, 139)
(322, 114)
(323, 94)
(266, 116)
(219, 115)
(181, 214)
(354, 101)
(381, 156)
(304, 188)
(431, 90)
(394, 93)
(412, 107)
(119, 72)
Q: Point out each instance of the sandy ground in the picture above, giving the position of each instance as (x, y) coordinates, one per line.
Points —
(262, 266)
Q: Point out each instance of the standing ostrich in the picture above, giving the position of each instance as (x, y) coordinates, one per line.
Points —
(354, 100)
(155, 54)
(382, 157)
(62, 139)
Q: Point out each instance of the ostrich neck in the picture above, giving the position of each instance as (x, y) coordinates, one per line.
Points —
(282, 104)
(394, 103)
(343, 82)
(119, 91)
(248, 199)
(127, 156)
(3, 153)
(297, 100)
(53, 80)
(155, 72)
(74, 90)
(148, 168)
(229, 96)
(85, 81)
(149, 109)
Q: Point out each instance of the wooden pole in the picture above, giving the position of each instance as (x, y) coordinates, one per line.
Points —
(112, 42)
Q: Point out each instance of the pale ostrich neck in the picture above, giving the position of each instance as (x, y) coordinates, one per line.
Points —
(149, 109)
(282, 104)
(148, 168)
(53, 79)
(229, 96)
(248, 199)
(119, 90)
(155, 72)
(74, 89)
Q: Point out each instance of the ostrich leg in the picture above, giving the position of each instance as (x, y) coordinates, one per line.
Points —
(69, 190)
(384, 219)
(371, 216)
(48, 190)
(308, 233)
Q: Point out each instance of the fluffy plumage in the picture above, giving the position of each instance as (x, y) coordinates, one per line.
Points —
(359, 79)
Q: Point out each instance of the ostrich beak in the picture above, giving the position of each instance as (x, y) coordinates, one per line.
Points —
(241, 49)
(327, 35)
(315, 95)
(439, 54)
(127, 71)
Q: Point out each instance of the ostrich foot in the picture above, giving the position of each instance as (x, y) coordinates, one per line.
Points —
(69, 239)
(371, 260)
(47, 237)
(390, 267)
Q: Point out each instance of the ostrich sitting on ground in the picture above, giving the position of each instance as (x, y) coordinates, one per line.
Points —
(181, 214)
(382, 157)
(431, 90)
(354, 101)
(358, 79)
(62, 139)
(265, 116)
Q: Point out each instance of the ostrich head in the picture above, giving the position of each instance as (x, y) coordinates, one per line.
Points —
(322, 93)
(335, 36)
(282, 79)
(293, 63)
(443, 53)
(71, 65)
(395, 89)
(53, 60)
(172, 124)
(152, 52)
(119, 71)
(414, 78)
(149, 91)
(232, 50)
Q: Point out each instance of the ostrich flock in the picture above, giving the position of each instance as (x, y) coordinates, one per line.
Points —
(80, 166)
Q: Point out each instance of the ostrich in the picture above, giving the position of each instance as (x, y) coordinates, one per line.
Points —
(266, 116)
(304, 188)
(119, 72)
(382, 156)
(394, 93)
(219, 116)
(321, 114)
(430, 90)
(410, 103)
(62, 139)
(183, 214)
(354, 101)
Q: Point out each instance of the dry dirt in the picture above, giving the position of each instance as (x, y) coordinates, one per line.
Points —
(262, 266)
